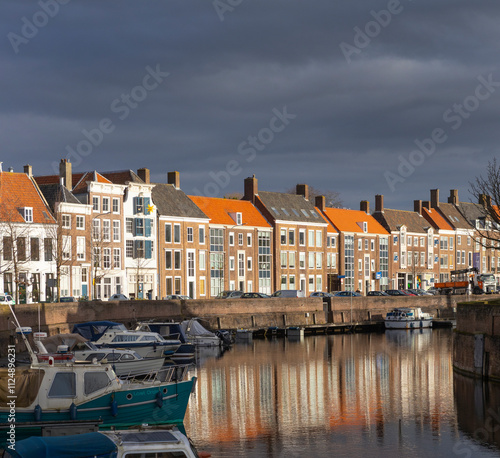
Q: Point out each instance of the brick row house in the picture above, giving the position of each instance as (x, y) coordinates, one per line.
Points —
(240, 244)
(27, 227)
(183, 242)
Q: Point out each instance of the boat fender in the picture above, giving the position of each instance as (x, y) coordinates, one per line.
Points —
(72, 411)
(38, 412)
(114, 408)
(159, 399)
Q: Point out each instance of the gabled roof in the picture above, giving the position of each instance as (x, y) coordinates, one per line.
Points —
(55, 193)
(170, 201)
(472, 212)
(392, 220)
(352, 221)
(290, 207)
(53, 179)
(123, 177)
(81, 186)
(453, 216)
(218, 210)
(18, 191)
(436, 220)
(329, 227)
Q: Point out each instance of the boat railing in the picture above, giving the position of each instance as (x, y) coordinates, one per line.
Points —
(174, 373)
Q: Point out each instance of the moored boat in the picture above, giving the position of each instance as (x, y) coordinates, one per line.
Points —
(201, 337)
(408, 318)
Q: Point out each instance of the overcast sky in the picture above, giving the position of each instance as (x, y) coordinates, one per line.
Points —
(360, 97)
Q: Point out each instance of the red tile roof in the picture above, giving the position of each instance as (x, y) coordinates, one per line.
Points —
(54, 179)
(18, 191)
(218, 211)
(435, 218)
(347, 221)
(79, 180)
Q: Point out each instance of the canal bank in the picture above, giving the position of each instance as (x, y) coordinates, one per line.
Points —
(57, 318)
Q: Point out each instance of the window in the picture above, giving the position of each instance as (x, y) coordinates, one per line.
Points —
(201, 234)
(189, 234)
(365, 227)
(116, 258)
(302, 260)
(311, 260)
(334, 242)
(106, 230)
(422, 241)
(360, 244)
(177, 233)
(116, 231)
(241, 264)
(66, 221)
(302, 237)
(80, 248)
(451, 243)
(395, 240)
(202, 260)
(360, 265)
(468, 240)
(129, 225)
(283, 257)
(129, 249)
(240, 239)
(35, 249)
(319, 283)
(319, 260)
(63, 386)
(80, 222)
(116, 205)
(95, 203)
(47, 249)
(190, 263)
(231, 262)
(231, 239)
(28, 214)
(66, 247)
(319, 238)
(249, 263)
(283, 236)
(372, 246)
(249, 239)
(291, 237)
(139, 249)
(177, 259)
(105, 204)
(366, 244)
(168, 233)
(106, 258)
(410, 256)
(139, 227)
(410, 240)
(96, 229)
(291, 259)
(292, 281)
(239, 219)
(202, 286)
(311, 238)
(463, 257)
(168, 259)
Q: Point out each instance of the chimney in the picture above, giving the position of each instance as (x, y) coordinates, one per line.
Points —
(65, 173)
(453, 199)
(302, 190)
(320, 202)
(28, 170)
(426, 204)
(144, 175)
(379, 203)
(417, 207)
(1, 163)
(484, 200)
(175, 179)
(434, 198)
(251, 188)
(11, 169)
(364, 206)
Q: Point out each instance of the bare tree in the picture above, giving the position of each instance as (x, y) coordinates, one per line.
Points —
(332, 198)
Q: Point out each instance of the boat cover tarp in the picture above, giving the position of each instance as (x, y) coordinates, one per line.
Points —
(94, 330)
(87, 445)
(28, 382)
(71, 340)
(194, 328)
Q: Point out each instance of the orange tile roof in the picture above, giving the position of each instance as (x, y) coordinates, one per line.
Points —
(218, 210)
(18, 191)
(81, 186)
(329, 227)
(436, 219)
(347, 221)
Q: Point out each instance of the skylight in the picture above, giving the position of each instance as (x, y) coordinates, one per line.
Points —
(313, 212)
(295, 211)
(305, 213)
(275, 211)
(284, 211)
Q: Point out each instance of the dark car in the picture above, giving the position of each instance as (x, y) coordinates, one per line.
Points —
(254, 296)
(320, 294)
(395, 292)
(376, 293)
(68, 299)
(229, 295)
(347, 294)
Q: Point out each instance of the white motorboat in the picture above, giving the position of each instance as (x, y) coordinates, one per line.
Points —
(201, 337)
(408, 318)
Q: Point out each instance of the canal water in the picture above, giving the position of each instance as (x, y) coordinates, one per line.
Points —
(346, 395)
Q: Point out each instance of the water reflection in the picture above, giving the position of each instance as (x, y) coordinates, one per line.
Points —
(390, 393)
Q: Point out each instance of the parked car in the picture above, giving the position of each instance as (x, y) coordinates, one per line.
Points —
(419, 292)
(68, 299)
(347, 294)
(320, 294)
(176, 296)
(229, 295)
(433, 291)
(395, 292)
(254, 296)
(408, 292)
(118, 297)
(288, 293)
(6, 299)
(376, 293)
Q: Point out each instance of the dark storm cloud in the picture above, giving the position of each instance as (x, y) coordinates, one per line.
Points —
(357, 118)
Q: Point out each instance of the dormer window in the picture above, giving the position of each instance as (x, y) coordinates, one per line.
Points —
(239, 219)
(365, 227)
(28, 214)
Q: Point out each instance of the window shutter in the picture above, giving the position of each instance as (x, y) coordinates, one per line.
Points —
(135, 249)
(146, 205)
(147, 230)
(148, 249)
(135, 205)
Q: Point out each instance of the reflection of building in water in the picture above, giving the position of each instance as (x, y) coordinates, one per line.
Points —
(344, 381)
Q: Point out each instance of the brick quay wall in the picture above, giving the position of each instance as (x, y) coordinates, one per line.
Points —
(476, 350)
(219, 314)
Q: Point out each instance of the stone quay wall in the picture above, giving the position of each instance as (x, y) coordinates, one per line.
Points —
(476, 349)
(57, 318)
